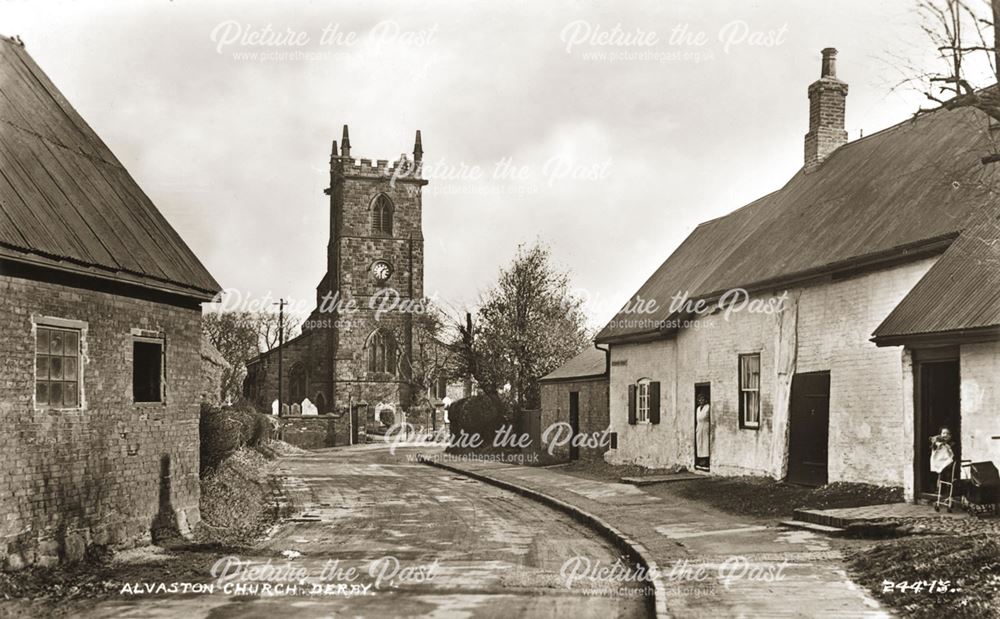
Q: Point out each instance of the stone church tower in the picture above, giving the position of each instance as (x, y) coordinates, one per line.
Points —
(354, 351)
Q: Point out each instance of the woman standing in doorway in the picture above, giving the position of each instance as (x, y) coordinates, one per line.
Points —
(702, 432)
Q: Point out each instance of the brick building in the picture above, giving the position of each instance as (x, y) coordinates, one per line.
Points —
(101, 348)
(873, 316)
(352, 359)
(576, 393)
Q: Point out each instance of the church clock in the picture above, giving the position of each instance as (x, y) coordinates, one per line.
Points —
(381, 270)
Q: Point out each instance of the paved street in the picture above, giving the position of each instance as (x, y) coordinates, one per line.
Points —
(497, 554)
(750, 568)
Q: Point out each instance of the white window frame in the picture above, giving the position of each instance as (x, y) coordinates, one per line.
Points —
(60, 324)
(747, 391)
(642, 400)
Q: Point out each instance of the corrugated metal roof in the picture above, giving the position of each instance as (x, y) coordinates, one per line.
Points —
(960, 292)
(913, 182)
(589, 363)
(65, 200)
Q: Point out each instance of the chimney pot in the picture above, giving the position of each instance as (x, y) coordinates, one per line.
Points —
(829, 62)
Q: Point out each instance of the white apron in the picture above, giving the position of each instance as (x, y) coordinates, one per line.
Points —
(702, 431)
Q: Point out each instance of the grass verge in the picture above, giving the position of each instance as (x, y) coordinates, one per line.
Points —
(236, 507)
(969, 563)
(763, 497)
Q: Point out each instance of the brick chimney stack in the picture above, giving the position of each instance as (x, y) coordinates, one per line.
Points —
(826, 113)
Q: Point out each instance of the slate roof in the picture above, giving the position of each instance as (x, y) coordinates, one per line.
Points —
(590, 363)
(67, 203)
(884, 196)
(961, 292)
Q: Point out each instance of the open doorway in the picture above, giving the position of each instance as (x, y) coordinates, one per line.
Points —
(703, 426)
(938, 406)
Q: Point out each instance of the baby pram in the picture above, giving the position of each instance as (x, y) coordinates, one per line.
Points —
(981, 489)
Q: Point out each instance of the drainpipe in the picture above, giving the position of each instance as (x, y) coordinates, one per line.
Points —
(607, 358)
(607, 373)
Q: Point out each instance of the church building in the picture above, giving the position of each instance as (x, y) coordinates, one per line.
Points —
(354, 351)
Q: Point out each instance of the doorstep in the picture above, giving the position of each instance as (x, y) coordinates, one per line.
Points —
(845, 516)
(646, 480)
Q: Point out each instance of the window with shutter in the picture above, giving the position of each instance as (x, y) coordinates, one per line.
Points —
(631, 405)
(642, 401)
(654, 402)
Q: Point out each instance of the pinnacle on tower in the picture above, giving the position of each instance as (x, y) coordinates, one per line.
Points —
(345, 144)
(418, 148)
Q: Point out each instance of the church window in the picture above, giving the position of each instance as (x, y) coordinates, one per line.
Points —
(382, 211)
(382, 353)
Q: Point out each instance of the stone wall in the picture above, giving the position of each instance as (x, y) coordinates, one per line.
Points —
(315, 432)
(95, 474)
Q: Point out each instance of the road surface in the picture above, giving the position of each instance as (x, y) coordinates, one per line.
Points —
(489, 552)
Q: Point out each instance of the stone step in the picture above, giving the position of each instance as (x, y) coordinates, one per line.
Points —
(646, 480)
(821, 517)
(811, 526)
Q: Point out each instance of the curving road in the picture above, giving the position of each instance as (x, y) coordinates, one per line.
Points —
(490, 553)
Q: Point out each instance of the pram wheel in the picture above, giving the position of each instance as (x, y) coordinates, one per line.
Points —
(937, 507)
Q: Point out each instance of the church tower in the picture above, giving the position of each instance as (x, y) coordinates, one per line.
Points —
(375, 267)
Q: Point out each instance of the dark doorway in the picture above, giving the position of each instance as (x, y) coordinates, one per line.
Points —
(938, 406)
(702, 460)
(574, 424)
(809, 429)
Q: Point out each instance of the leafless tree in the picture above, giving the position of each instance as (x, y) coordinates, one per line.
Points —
(968, 45)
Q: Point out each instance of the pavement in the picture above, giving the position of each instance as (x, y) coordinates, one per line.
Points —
(420, 541)
(712, 564)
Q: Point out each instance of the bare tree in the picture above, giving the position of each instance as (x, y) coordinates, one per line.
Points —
(269, 329)
(241, 336)
(967, 41)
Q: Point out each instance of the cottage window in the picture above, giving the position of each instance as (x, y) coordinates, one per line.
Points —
(642, 401)
(57, 367)
(147, 370)
(382, 211)
(381, 353)
(750, 391)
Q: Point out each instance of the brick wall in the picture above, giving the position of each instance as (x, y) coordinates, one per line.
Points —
(73, 478)
(825, 327)
(593, 412)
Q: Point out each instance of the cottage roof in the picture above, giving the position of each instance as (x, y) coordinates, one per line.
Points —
(961, 292)
(67, 203)
(891, 195)
(590, 363)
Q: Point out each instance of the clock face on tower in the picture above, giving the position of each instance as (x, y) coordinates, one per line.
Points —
(381, 270)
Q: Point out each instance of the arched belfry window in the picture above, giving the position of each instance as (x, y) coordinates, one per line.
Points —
(382, 353)
(382, 211)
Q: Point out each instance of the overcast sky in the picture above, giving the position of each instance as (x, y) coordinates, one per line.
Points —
(612, 161)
